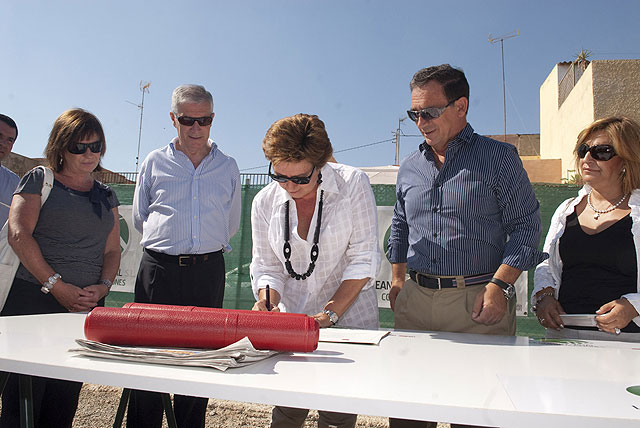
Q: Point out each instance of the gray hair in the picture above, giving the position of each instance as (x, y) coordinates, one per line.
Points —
(195, 94)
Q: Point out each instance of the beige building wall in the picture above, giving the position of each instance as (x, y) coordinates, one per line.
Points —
(560, 125)
(616, 88)
(607, 87)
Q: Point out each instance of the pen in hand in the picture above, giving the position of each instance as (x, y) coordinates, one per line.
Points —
(268, 298)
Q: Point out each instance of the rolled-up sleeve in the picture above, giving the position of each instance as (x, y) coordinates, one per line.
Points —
(520, 214)
(265, 266)
(363, 252)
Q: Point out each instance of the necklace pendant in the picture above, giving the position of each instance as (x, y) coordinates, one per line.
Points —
(596, 216)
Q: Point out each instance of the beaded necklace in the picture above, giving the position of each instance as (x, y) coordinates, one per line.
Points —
(314, 250)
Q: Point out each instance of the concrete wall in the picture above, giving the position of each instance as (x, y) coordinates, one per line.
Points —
(559, 126)
(542, 170)
(616, 88)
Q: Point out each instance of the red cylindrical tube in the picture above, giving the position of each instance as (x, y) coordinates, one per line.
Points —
(195, 327)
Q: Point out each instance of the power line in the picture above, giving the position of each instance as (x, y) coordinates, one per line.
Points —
(337, 151)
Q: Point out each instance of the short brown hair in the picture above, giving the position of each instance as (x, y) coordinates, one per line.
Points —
(69, 128)
(297, 138)
(624, 134)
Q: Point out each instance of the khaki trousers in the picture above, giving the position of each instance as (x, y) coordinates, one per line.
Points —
(449, 309)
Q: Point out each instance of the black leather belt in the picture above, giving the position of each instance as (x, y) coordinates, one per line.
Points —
(439, 282)
(183, 259)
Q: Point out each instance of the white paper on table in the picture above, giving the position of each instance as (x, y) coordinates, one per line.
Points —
(579, 320)
(348, 335)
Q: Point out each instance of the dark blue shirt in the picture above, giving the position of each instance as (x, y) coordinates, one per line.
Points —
(474, 214)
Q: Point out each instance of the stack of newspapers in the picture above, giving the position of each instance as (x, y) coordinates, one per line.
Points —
(239, 354)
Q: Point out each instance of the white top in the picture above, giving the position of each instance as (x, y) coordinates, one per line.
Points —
(549, 272)
(348, 246)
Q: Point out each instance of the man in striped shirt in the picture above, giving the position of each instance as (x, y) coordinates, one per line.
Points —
(466, 222)
(187, 207)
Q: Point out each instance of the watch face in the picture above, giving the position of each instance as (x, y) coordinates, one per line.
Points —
(510, 292)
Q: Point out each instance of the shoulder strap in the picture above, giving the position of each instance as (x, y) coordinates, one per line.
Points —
(47, 184)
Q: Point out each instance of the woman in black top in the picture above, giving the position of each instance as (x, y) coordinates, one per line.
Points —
(593, 240)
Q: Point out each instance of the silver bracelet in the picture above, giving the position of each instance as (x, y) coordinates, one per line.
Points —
(48, 285)
(550, 293)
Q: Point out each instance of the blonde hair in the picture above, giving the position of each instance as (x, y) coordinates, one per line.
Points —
(624, 134)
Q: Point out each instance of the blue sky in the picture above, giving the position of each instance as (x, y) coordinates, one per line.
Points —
(347, 61)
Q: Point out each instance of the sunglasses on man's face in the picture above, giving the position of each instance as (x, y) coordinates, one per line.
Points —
(428, 113)
(80, 148)
(602, 152)
(189, 121)
(296, 180)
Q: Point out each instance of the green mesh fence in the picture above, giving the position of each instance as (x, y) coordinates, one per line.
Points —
(238, 294)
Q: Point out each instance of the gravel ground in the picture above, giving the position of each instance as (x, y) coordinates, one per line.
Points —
(98, 406)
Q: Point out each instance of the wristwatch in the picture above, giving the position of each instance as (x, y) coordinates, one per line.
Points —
(107, 283)
(49, 283)
(333, 317)
(508, 289)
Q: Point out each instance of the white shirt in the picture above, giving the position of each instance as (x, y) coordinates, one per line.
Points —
(549, 272)
(348, 246)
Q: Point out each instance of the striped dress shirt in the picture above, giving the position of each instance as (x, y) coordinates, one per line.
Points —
(180, 209)
(474, 214)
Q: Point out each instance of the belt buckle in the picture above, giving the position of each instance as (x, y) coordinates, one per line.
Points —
(182, 260)
(439, 283)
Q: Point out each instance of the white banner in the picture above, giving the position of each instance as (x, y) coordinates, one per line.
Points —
(130, 251)
(383, 280)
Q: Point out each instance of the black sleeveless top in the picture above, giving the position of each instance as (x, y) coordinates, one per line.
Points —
(597, 268)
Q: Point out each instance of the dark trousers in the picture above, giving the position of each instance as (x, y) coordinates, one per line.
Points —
(54, 401)
(161, 280)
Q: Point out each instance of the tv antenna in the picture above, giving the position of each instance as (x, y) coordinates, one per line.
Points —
(398, 131)
(493, 41)
(144, 87)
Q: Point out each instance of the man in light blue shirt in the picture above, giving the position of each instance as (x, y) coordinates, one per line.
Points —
(8, 179)
(187, 207)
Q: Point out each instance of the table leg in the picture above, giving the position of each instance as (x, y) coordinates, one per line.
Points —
(122, 407)
(26, 402)
(168, 410)
(4, 377)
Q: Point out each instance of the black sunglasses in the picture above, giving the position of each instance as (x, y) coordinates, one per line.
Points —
(428, 113)
(295, 180)
(80, 148)
(189, 121)
(602, 152)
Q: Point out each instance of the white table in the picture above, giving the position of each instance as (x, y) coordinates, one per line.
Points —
(449, 377)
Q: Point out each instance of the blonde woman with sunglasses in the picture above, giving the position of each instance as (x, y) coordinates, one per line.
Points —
(589, 288)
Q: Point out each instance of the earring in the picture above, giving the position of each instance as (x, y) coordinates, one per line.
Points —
(624, 171)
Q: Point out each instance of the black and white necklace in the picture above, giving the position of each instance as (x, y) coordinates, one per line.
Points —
(314, 250)
(611, 208)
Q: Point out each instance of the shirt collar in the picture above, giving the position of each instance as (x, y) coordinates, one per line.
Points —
(172, 147)
(329, 185)
(463, 137)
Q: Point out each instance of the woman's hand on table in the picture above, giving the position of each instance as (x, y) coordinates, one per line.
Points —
(615, 315)
(261, 305)
(323, 320)
(548, 311)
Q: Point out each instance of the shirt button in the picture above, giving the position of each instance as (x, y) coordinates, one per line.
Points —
(434, 209)
(433, 260)
(435, 235)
